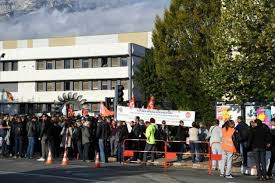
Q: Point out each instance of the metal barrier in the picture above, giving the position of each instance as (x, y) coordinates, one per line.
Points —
(213, 157)
(174, 154)
(131, 152)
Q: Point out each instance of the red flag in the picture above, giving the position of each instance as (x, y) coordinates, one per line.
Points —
(132, 102)
(9, 96)
(151, 103)
(104, 111)
(70, 112)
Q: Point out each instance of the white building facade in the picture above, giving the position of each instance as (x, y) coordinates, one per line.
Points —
(37, 72)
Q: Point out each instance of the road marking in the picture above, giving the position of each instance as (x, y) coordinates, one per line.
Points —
(48, 176)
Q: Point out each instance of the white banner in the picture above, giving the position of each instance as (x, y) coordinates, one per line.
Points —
(171, 117)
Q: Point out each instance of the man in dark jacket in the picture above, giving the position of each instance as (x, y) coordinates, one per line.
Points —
(182, 134)
(242, 130)
(102, 133)
(46, 137)
(272, 160)
(31, 132)
(259, 140)
(18, 136)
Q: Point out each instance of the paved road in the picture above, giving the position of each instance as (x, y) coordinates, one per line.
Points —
(31, 171)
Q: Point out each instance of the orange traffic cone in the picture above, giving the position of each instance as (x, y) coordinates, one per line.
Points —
(50, 158)
(65, 160)
(97, 161)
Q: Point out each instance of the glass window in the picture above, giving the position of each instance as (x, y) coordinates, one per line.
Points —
(50, 86)
(95, 85)
(14, 66)
(124, 61)
(59, 64)
(104, 62)
(95, 107)
(6, 66)
(67, 64)
(49, 65)
(113, 84)
(67, 85)
(85, 63)
(104, 85)
(85, 85)
(40, 65)
(95, 62)
(59, 86)
(76, 86)
(39, 86)
(115, 62)
(124, 83)
(77, 63)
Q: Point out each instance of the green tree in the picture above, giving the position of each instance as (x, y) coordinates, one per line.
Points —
(149, 82)
(182, 41)
(243, 67)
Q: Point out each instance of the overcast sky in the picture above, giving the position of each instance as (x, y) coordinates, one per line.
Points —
(139, 15)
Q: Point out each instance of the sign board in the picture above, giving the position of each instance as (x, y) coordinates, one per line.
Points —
(171, 117)
(226, 112)
(262, 113)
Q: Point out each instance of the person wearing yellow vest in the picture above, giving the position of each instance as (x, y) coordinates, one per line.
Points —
(150, 140)
(228, 148)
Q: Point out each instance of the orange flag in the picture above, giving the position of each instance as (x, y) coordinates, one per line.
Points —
(104, 111)
(9, 96)
(132, 102)
(151, 103)
(71, 112)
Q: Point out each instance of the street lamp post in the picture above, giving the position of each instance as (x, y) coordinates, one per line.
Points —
(2, 56)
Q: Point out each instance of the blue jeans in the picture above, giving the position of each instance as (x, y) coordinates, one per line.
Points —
(18, 146)
(260, 155)
(195, 148)
(119, 152)
(30, 147)
(181, 148)
(102, 150)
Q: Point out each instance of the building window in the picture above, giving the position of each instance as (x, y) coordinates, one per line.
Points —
(125, 84)
(113, 84)
(59, 64)
(95, 107)
(104, 85)
(95, 85)
(85, 63)
(95, 62)
(85, 85)
(6, 66)
(59, 86)
(76, 86)
(40, 65)
(104, 62)
(124, 61)
(49, 65)
(115, 62)
(40, 86)
(67, 85)
(14, 66)
(50, 86)
(77, 63)
(67, 64)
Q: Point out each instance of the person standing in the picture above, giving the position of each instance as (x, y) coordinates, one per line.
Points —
(86, 140)
(77, 139)
(66, 138)
(215, 138)
(18, 136)
(242, 130)
(31, 131)
(150, 140)
(113, 142)
(182, 134)
(121, 135)
(194, 146)
(259, 140)
(102, 134)
(272, 160)
(228, 148)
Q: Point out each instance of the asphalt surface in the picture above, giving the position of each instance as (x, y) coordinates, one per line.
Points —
(31, 171)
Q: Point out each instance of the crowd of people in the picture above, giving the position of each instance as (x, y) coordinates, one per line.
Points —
(82, 137)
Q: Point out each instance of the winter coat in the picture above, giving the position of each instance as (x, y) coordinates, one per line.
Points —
(31, 129)
(150, 134)
(182, 133)
(86, 135)
(103, 130)
(259, 137)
